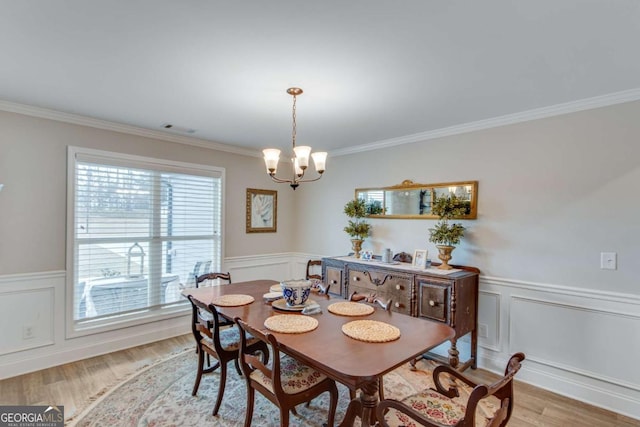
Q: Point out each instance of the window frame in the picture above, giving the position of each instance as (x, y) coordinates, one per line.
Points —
(93, 326)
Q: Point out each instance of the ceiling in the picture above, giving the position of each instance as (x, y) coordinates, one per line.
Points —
(372, 71)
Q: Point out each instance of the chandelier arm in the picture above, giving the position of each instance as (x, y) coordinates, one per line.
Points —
(310, 180)
(280, 180)
(285, 181)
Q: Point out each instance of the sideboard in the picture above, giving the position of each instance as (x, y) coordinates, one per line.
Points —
(449, 297)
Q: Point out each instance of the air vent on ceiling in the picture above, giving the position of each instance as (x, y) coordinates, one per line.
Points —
(178, 129)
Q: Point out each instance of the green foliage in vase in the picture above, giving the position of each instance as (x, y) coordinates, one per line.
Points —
(357, 227)
(448, 207)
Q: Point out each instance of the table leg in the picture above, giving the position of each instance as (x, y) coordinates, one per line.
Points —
(454, 359)
(364, 406)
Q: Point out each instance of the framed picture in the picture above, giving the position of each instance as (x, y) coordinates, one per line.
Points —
(262, 211)
(420, 258)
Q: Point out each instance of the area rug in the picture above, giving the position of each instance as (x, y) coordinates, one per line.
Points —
(160, 395)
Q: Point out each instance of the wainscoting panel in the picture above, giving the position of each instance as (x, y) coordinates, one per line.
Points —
(580, 343)
(489, 316)
(27, 315)
(579, 339)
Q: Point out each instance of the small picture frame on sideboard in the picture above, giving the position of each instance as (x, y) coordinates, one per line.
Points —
(420, 258)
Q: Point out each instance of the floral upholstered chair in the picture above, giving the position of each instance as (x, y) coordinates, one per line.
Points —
(436, 408)
(286, 382)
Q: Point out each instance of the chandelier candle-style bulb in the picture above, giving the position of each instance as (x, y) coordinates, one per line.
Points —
(319, 160)
(271, 159)
(296, 167)
(302, 154)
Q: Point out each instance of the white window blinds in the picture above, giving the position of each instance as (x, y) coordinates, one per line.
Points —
(141, 229)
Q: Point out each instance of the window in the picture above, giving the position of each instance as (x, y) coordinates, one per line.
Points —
(139, 229)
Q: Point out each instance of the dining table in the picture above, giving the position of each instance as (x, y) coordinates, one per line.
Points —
(356, 364)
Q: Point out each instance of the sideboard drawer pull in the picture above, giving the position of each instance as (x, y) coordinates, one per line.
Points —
(356, 278)
(397, 305)
(432, 303)
(398, 287)
(333, 282)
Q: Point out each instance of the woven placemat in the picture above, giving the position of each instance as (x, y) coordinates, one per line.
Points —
(371, 331)
(350, 308)
(291, 324)
(232, 300)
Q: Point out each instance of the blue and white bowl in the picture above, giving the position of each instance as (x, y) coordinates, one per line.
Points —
(296, 292)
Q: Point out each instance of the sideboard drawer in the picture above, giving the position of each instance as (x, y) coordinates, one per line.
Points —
(380, 280)
(400, 303)
(384, 284)
(433, 301)
(334, 280)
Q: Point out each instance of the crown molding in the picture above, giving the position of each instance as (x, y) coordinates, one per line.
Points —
(77, 119)
(524, 116)
(537, 113)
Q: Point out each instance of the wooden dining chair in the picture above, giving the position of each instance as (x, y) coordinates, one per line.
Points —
(286, 382)
(386, 306)
(212, 276)
(314, 269)
(314, 273)
(436, 408)
(199, 279)
(220, 343)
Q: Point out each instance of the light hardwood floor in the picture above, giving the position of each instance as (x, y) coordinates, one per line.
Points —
(74, 384)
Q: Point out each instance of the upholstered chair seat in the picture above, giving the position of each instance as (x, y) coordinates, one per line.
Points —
(294, 376)
(432, 405)
(229, 340)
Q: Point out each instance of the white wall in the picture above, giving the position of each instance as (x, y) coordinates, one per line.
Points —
(553, 194)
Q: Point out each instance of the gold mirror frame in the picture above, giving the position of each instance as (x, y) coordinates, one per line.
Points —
(411, 200)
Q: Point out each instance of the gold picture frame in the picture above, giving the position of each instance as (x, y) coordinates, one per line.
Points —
(262, 211)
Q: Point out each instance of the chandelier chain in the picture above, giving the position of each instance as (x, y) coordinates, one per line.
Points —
(293, 131)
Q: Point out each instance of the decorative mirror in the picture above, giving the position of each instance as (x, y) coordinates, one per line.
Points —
(412, 200)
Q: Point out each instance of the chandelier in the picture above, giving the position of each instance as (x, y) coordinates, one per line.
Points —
(300, 160)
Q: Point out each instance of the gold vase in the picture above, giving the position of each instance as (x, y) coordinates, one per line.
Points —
(356, 245)
(444, 253)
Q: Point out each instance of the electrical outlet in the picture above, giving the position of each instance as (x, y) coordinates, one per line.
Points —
(608, 260)
(483, 331)
(28, 332)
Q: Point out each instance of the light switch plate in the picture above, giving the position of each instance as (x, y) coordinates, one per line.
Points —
(608, 260)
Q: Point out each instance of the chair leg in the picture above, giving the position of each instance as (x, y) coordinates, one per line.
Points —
(333, 404)
(380, 389)
(223, 383)
(249, 414)
(284, 417)
(237, 363)
(199, 374)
